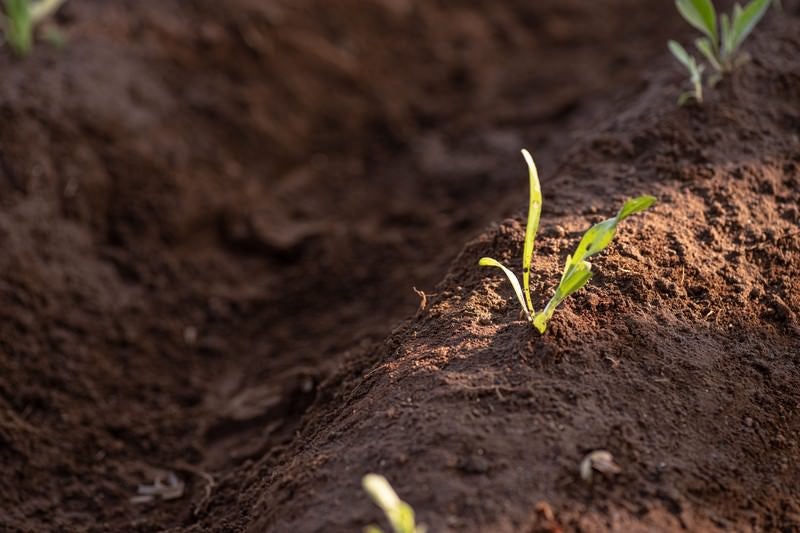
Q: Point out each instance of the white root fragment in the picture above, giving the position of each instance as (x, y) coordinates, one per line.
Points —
(166, 487)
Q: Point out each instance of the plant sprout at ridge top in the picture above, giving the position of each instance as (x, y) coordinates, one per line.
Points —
(577, 270)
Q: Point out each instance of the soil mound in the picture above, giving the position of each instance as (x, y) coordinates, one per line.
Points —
(681, 358)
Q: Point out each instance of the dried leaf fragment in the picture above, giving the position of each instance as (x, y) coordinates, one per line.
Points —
(601, 461)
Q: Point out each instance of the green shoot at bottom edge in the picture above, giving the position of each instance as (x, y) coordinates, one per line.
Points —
(399, 514)
(577, 271)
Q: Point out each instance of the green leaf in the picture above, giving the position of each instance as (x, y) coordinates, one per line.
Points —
(402, 519)
(372, 529)
(695, 71)
(576, 279)
(578, 271)
(701, 15)
(534, 213)
(595, 239)
(745, 20)
(488, 261)
(680, 54)
(19, 26)
(705, 48)
(727, 40)
(635, 205)
(399, 514)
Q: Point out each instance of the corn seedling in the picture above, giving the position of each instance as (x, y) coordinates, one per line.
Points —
(399, 514)
(723, 34)
(22, 17)
(577, 271)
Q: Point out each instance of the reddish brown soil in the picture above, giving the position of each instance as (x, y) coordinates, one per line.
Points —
(212, 215)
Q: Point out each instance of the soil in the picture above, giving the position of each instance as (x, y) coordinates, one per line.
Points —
(234, 265)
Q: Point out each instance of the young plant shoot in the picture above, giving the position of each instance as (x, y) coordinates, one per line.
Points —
(577, 270)
(22, 17)
(723, 36)
(399, 514)
(695, 73)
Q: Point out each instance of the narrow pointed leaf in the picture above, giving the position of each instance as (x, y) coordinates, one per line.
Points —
(726, 38)
(704, 45)
(576, 279)
(681, 54)
(399, 514)
(701, 15)
(403, 520)
(746, 19)
(595, 239)
(577, 271)
(380, 491)
(635, 205)
(488, 261)
(534, 213)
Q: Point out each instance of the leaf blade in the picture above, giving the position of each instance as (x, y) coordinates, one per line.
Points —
(705, 48)
(701, 15)
(532, 227)
(399, 514)
(746, 19)
(488, 261)
(19, 26)
(578, 271)
(680, 54)
(635, 205)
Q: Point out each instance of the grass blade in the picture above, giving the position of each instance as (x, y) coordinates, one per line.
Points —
(534, 213)
(488, 261)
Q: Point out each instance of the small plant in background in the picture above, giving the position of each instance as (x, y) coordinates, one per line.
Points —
(577, 270)
(724, 35)
(399, 514)
(695, 73)
(21, 19)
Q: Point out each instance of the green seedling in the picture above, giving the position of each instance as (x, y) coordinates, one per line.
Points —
(22, 17)
(724, 33)
(695, 73)
(577, 270)
(399, 514)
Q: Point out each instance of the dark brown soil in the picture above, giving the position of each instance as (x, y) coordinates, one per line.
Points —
(212, 216)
